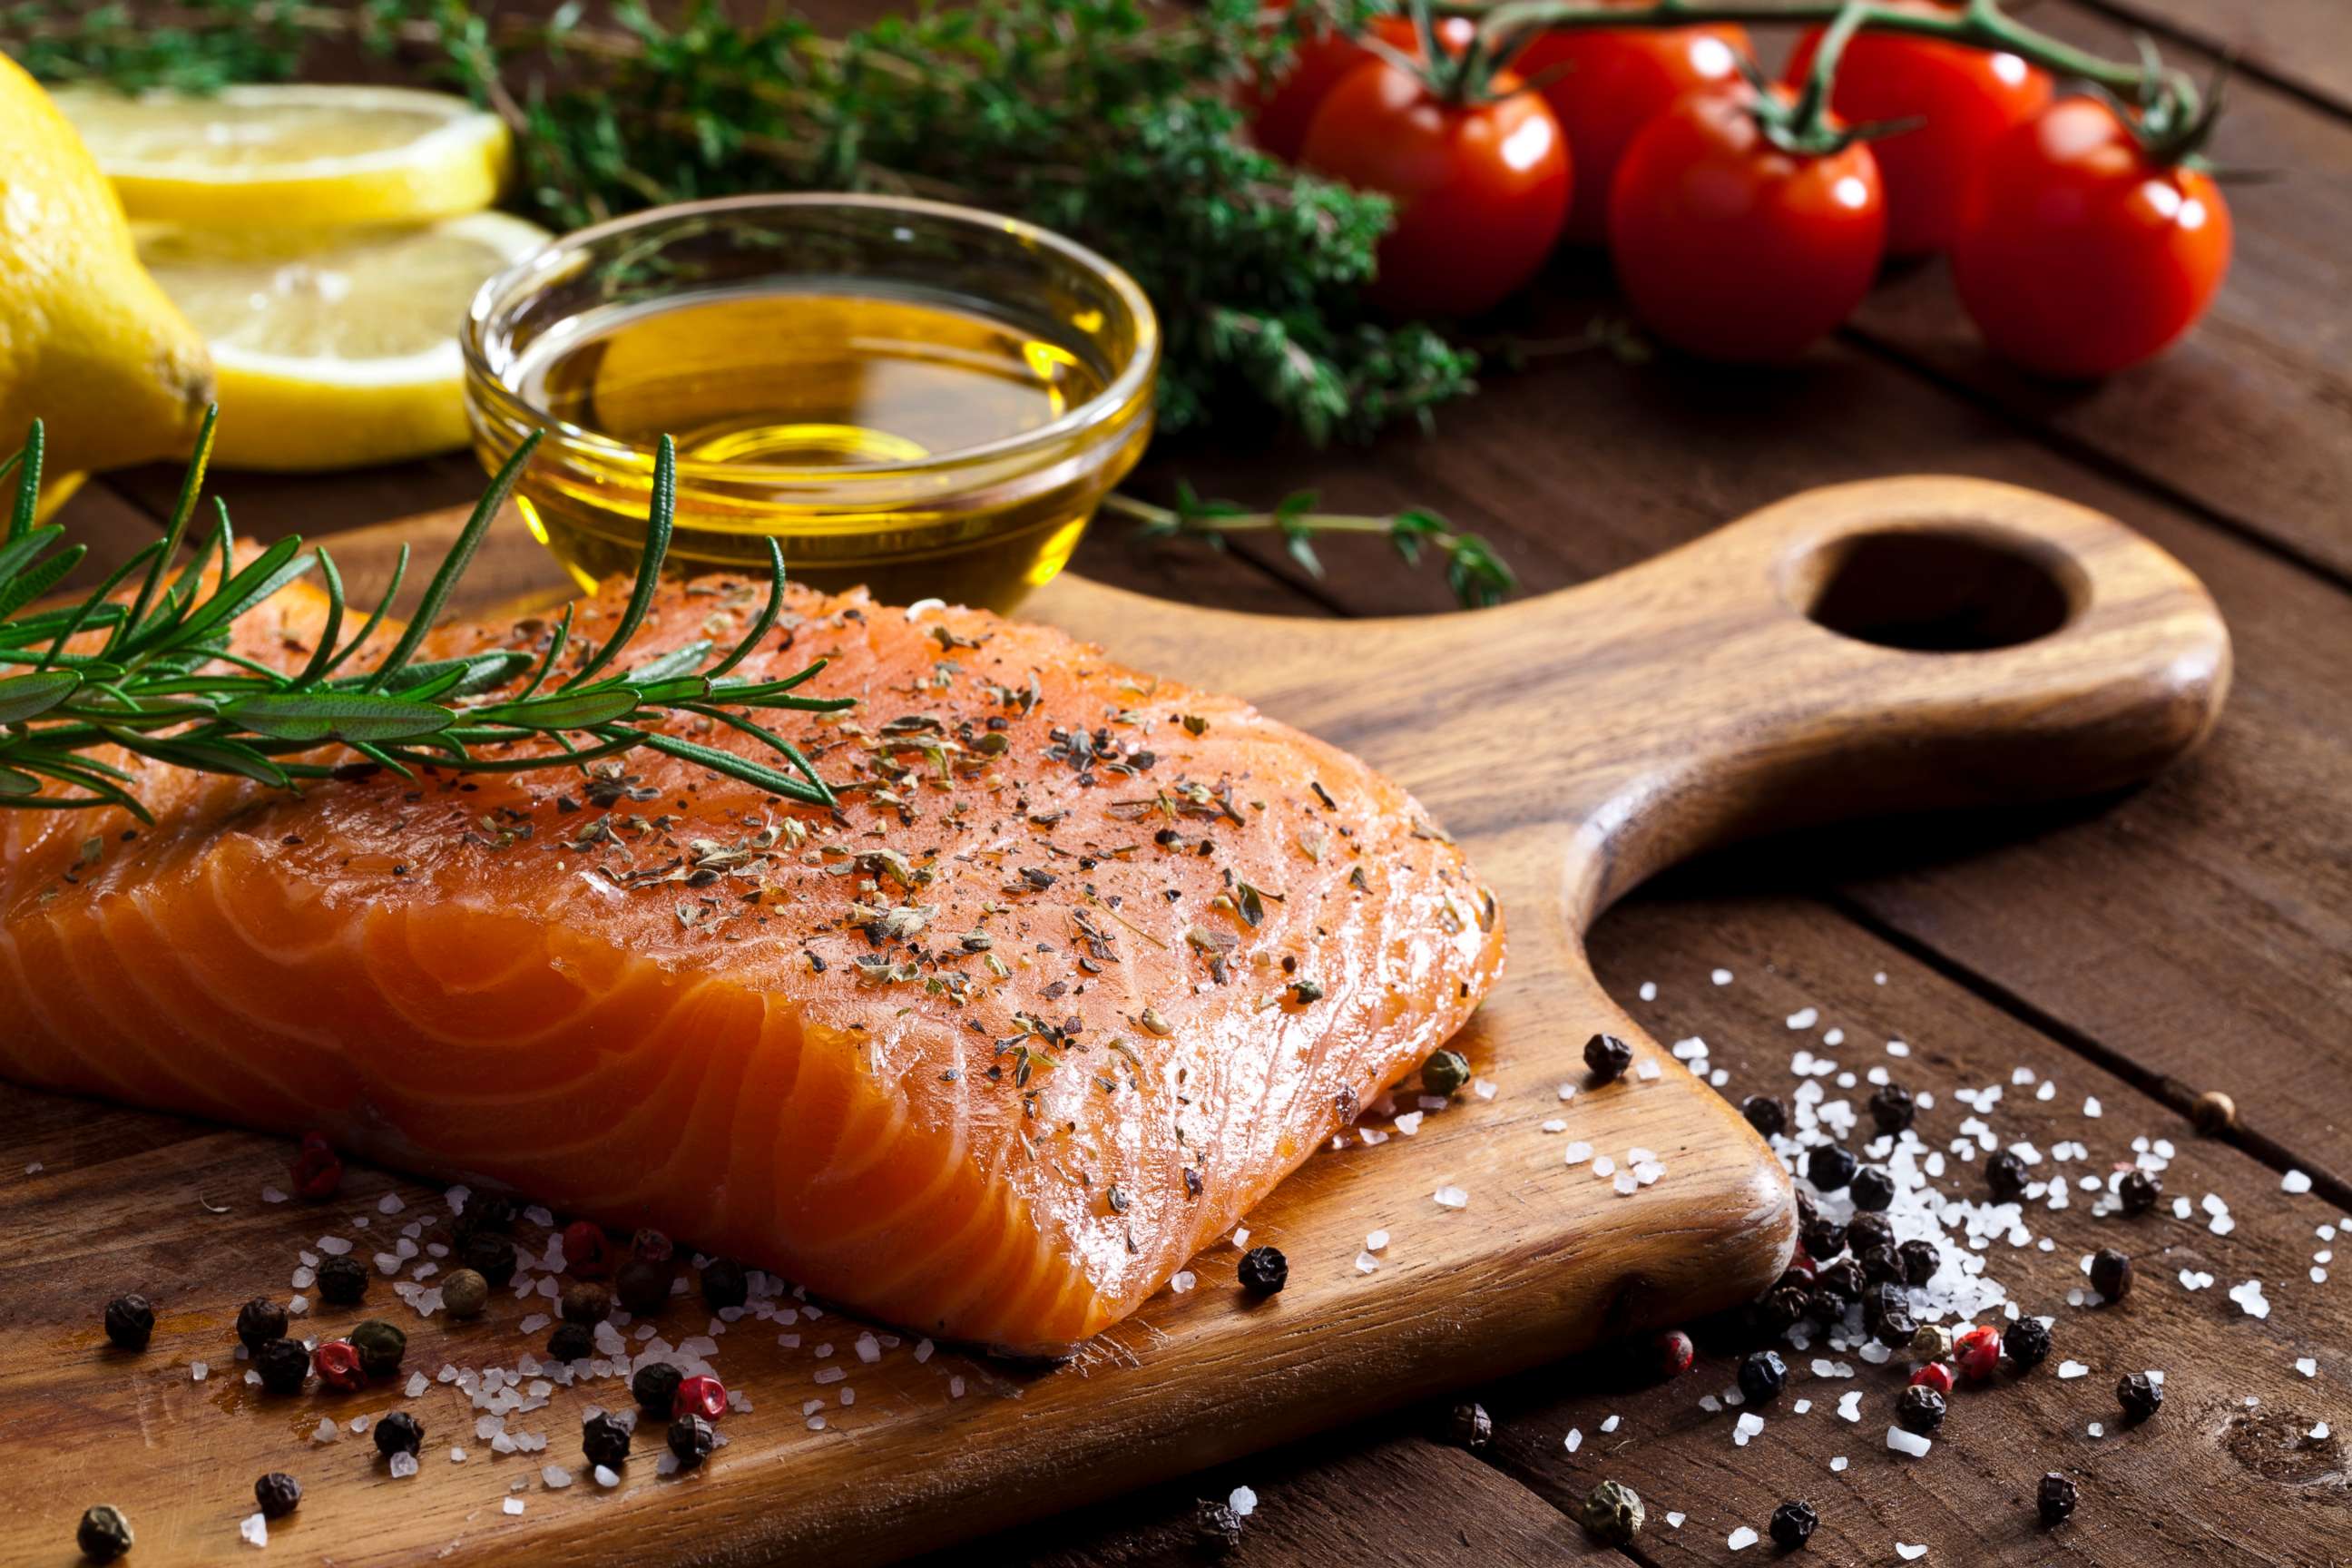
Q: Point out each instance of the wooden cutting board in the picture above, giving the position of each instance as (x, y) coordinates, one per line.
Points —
(1993, 645)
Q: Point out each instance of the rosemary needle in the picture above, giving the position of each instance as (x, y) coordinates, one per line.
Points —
(163, 684)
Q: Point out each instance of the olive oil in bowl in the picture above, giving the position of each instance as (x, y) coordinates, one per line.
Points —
(924, 400)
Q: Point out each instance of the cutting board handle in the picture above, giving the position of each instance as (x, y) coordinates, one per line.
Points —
(1891, 644)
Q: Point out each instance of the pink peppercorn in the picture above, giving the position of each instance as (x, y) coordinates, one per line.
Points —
(337, 1363)
(586, 1252)
(1674, 1352)
(703, 1396)
(1934, 1376)
(1977, 1350)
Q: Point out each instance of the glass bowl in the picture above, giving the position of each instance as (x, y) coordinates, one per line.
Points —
(926, 399)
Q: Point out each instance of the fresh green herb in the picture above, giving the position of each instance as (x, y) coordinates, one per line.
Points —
(1476, 574)
(163, 684)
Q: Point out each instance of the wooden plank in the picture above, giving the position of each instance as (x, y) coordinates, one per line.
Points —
(2208, 1478)
(2245, 416)
(2306, 44)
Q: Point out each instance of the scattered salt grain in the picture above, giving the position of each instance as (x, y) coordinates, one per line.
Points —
(417, 1384)
(1627, 1184)
(1604, 1166)
(2098, 1429)
(1484, 1088)
(456, 1454)
(1802, 1407)
(196, 1371)
(404, 1465)
(1804, 1017)
(1575, 1438)
(1578, 1153)
(955, 1388)
(2294, 1182)
(1674, 1520)
(1244, 1501)
(1649, 992)
(325, 1431)
(1909, 1443)
(1648, 1071)
(254, 1529)
(1908, 1553)
(1610, 1425)
(2248, 1298)
(1178, 1282)
(272, 1195)
(1837, 1466)
(2073, 1369)
(1410, 1123)
(1366, 1263)
(604, 1477)
(1450, 1197)
(924, 1349)
(1723, 977)
(2308, 1365)
(2318, 1433)
(1377, 1241)
(1748, 1425)
(514, 1504)
(556, 1477)
(1850, 1406)
(1743, 1538)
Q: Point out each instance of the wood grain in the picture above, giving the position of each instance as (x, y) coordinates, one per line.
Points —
(1576, 742)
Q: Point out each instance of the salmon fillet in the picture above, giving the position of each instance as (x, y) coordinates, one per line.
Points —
(1084, 964)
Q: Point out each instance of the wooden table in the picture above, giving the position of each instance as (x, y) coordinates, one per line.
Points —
(2138, 950)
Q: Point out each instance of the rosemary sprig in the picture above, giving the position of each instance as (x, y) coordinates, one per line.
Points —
(1476, 574)
(163, 683)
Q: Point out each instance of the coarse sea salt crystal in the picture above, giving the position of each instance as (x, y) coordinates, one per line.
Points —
(1376, 1240)
(1674, 1520)
(1802, 1407)
(1908, 1553)
(1179, 1282)
(326, 1431)
(1743, 1538)
(2294, 1182)
(2248, 1298)
(196, 1371)
(1909, 1443)
(1484, 1088)
(1627, 1184)
(1366, 1263)
(1647, 1071)
(955, 1387)
(404, 1465)
(1575, 1439)
(1850, 1406)
(1555, 1125)
(1450, 1197)
(1649, 991)
(2308, 1365)
(556, 1476)
(417, 1384)
(254, 1529)
(2071, 1369)
(604, 1478)
(1602, 1166)
(1837, 1466)
(1721, 976)
(1748, 1426)
(1804, 1017)
(1243, 1501)
(1611, 1424)
(2318, 1433)
(513, 1504)
(1410, 1123)
(1575, 1153)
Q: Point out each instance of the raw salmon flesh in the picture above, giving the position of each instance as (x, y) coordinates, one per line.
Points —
(1085, 963)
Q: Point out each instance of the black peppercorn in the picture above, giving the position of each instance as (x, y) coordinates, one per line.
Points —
(2111, 1274)
(1920, 1261)
(399, 1433)
(1841, 1281)
(642, 1285)
(486, 1215)
(724, 1284)
(278, 1493)
(1881, 1266)
(1470, 1426)
(1823, 1238)
(1808, 1211)
(1891, 1108)
(691, 1438)
(1215, 1526)
(2027, 1342)
(380, 1345)
(1873, 1190)
(1781, 1309)
(103, 1533)
(571, 1341)
(1608, 1056)
(1887, 1311)
(1830, 1166)
(606, 1440)
(1762, 1375)
(1445, 1073)
(1765, 1114)
(343, 1280)
(655, 1387)
(2005, 1176)
(261, 1321)
(1866, 1231)
(492, 1256)
(585, 1304)
(130, 1320)
(1792, 1524)
(2138, 1192)
(2140, 1395)
(1264, 1271)
(1919, 1410)
(284, 1366)
(2055, 1499)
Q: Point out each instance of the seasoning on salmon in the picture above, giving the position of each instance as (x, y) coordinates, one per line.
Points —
(989, 1050)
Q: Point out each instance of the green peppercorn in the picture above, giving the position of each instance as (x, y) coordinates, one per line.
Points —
(278, 1493)
(261, 1321)
(1614, 1512)
(343, 1280)
(691, 1438)
(1933, 1342)
(283, 1365)
(655, 1387)
(103, 1535)
(130, 1320)
(585, 1304)
(380, 1345)
(1445, 1072)
(464, 1293)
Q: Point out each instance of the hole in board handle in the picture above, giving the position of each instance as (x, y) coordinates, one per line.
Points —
(1937, 588)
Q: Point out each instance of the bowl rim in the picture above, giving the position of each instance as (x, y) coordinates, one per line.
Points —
(1130, 383)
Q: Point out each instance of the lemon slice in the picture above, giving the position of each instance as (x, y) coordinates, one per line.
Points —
(338, 348)
(293, 156)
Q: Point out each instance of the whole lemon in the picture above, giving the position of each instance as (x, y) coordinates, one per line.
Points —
(89, 344)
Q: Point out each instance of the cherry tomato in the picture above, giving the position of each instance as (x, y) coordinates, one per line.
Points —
(1280, 114)
(1731, 248)
(1609, 85)
(1481, 189)
(1965, 98)
(2082, 254)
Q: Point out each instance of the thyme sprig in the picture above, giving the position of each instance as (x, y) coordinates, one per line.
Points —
(1477, 576)
(163, 682)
